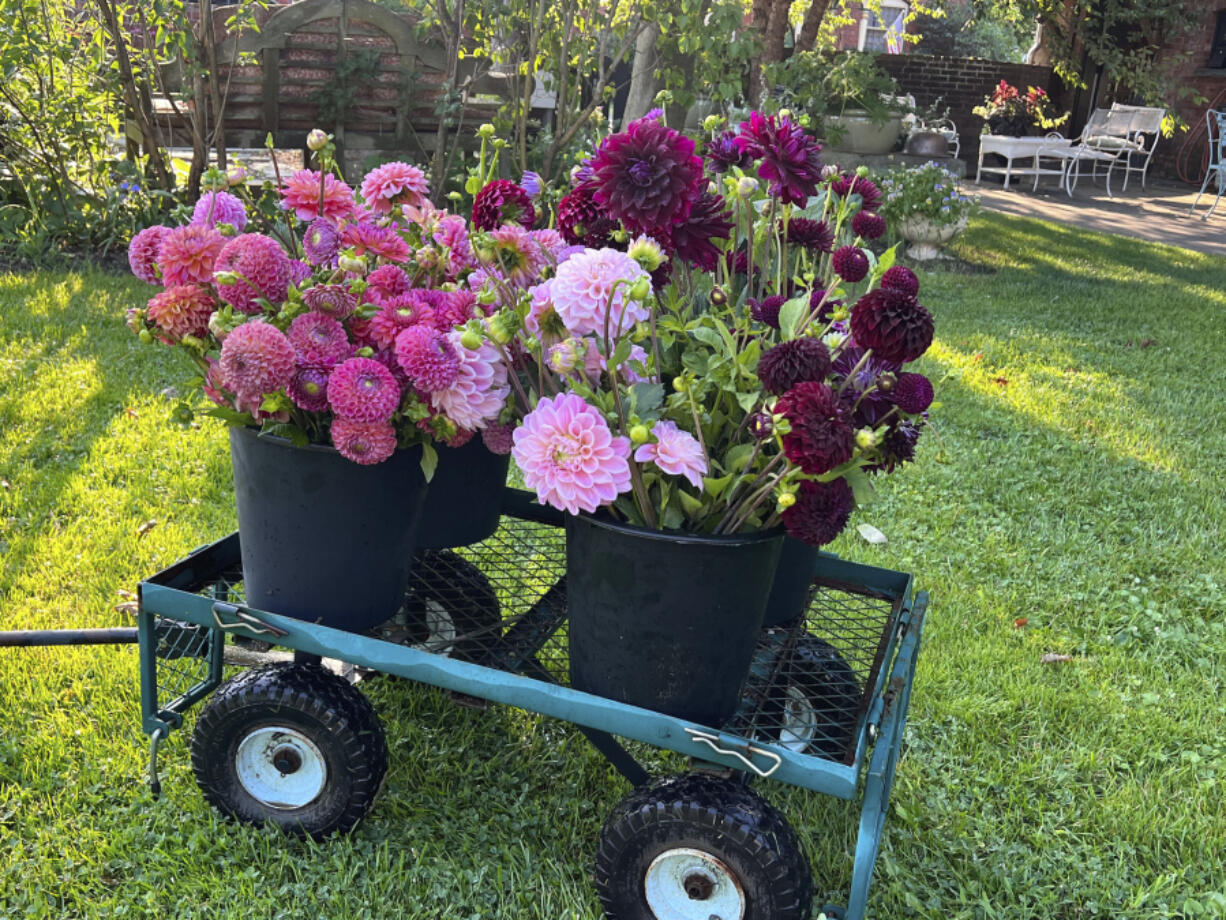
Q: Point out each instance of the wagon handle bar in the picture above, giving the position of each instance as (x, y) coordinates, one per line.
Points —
(246, 620)
(712, 741)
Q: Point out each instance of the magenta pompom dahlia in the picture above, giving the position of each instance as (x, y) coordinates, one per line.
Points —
(301, 194)
(308, 388)
(452, 235)
(783, 366)
(901, 278)
(428, 358)
(319, 339)
(387, 281)
(320, 242)
(674, 451)
(364, 390)
(813, 235)
(500, 202)
(480, 389)
(588, 286)
(582, 221)
(366, 443)
(393, 185)
(821, 437)
(143, 253)
(188, 254)
(256, 358)
(262, 269)
(850, 263)
(455, 308)
(331, 300)
(397, 314)
(868, 225)
(569, 457)
(912, 393)
(693, 238)
(498, 439)
(790, 158)
(181, 310)
(893, 324)
(820, 512)
(215, 208)
(647, 176)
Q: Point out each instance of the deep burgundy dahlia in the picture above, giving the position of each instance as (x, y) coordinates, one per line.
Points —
(893, 324)
(821, 437)
(849, 184)
(850, 263)
(723, 152)
(901, 278)
(767, 310)
(582, 221)
(692, 238)
(912, 393)
(782, 367)
(827, 309)
(821, 511)
(790, 158)
(502, 201)
(813, 235)
(647, 176)
(897, 447)
(868, 225)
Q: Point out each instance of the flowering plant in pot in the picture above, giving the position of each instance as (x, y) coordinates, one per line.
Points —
(724, 358)
(1008, 111)
(925, 207)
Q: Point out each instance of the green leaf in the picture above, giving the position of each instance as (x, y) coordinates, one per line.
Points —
(291, 433)
(707, 336)
(621, 352)
(673, 518)
(647, 396)
(790, 315)
(429, 460)
(861, 486)
(886, 262)
(696, 362)
(747, 400)
(736, 457)
(689, 504)
(229, 416)
(715, 487)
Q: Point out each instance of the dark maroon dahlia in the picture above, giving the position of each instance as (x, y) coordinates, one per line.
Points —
(501, 202)
(868, 225)
(790, 159)
(826, 313)
(820, 512)
(647, 176)
(895, 325)
(850, 184)
(583, 222)
(897, 447)
(782, 367)
(901, 278)
(723, 152)
(821, 436)
(692, 238)
(850, 263)
(813, 235)
(912, 393)
(766, 310)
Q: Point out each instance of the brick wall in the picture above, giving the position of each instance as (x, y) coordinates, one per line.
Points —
(961, 84)
(1182, 156)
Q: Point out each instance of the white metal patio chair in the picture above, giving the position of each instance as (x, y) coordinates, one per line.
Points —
(1130, 133)
(1215, 120)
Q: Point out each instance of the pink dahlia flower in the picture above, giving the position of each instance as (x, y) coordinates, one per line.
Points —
(143, 253)
(569, 457)
(383, 242)
(676, 452)
(300, 194)
(330, 299)
(394, 184)
(366, 443)
(542, 319)
(582, 288)
(454, 308)
(498, 439)
(397, 314)
(320, 242)
(364, 390)
(480, 388)
(256, 358)
(594, 363)
(188, 253)
(309, 388)
(552, 244)
(262, 268)
(215, 208)
(387, 281)
(299, 271)
(319, 339)
(181, 310)
(428, 357)
(452, 235)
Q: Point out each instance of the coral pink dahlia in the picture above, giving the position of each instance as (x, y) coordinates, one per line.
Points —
(647, 176)
(383, 242)
(674, 451)
(588, 286)
(181, 310)
(262, 268)
(301, 194)
(256, 358)
(188, 253)
(366, 443)
(569, 456)
(143, 253)
(394, 185)
(364, 390)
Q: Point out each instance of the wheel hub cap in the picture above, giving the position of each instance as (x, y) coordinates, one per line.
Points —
(799, 727)
(687, 884)
(280, 767)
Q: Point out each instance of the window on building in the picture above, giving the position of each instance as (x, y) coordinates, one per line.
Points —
(1217, 51)
(875, 28)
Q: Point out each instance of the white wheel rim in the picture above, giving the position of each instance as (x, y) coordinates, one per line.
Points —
(440, 629)
(799, 720)
(686, 884)
(280, 767)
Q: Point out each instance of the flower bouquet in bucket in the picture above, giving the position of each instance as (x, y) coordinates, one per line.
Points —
(723, 360)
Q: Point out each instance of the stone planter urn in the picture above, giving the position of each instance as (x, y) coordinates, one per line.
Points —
(925, 237)
(861, 135)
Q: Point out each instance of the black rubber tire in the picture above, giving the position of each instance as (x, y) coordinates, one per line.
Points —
(719, 817)
(816, 672)
(464, 595)
(333, 715)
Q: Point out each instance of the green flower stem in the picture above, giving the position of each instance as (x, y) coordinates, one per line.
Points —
(735, 506)
(751, 504)
(641, 497)
(289, 221)
(689, 392)
(514, 378)
(855, 370)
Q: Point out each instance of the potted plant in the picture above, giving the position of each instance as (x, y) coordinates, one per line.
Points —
(1008, 111)
(332, 348)
(721, 364)
(925, 207)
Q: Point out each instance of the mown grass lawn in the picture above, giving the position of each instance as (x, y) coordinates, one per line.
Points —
(1075, 486)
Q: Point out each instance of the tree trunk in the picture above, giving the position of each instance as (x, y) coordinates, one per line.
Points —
(758, 17)
(776, 30)
(452, 21)
(643, 83)
(813, 22)
(216, 103)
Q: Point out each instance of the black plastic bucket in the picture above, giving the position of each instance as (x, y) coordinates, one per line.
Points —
(325, 539)
(465, 497)
(665, 621)
(793, 578)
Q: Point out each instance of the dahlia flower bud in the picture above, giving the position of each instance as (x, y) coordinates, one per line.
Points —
(486, 131)
(498, 329)
(226, 229)
(471, 339)
(866, 439)
(680, 384)
(225, 279)
(195, 342)
(316, 140)
(712, 122)
(352, 264)
(746, 186)
(886, 382)
(785, 501)
(364, 352)
(236, 176)
(639, 434)
(830, 171)
(785, 113)
(145, 336)
(487, 296)
(718, 297)
(647, 253)
(641, 289)
(565, 356)
(862, 172)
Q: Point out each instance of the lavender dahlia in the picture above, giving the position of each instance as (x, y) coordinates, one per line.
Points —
(320, 242)
(215, 208)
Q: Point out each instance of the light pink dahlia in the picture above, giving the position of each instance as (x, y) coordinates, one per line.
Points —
(394, 184)
(383, 242)
(256, 358)
(143, 253)
(542, 319)
(319, 339)
(569, 456)
(181, 310)
(582, 287)
(215, 208)
(309, 388)
(676, 452)
(366, 443)
(480, 388)
(187, 254)
(551, 242)
(364, 390)
(300, 194)
(262, 268)
(428, 357)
